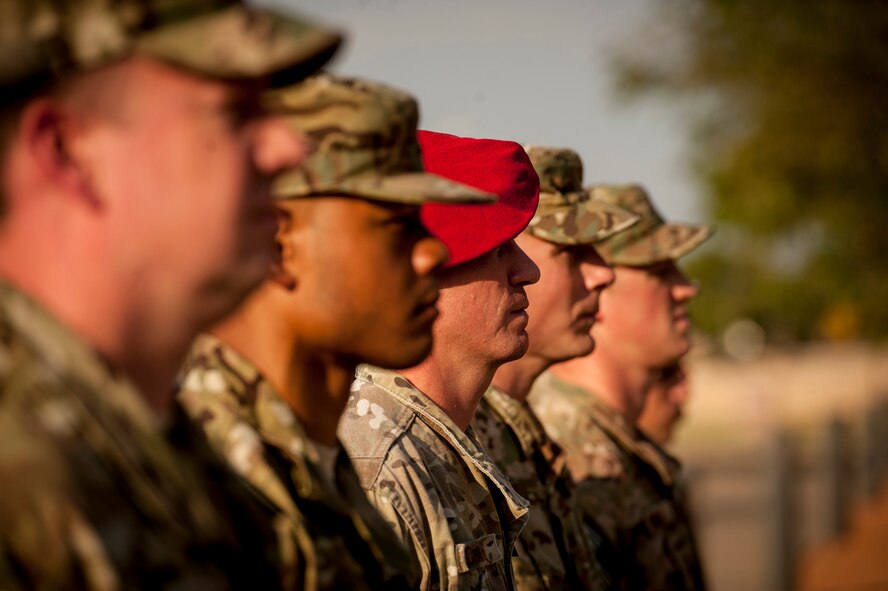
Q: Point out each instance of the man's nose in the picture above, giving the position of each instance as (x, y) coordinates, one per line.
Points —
(278, 146)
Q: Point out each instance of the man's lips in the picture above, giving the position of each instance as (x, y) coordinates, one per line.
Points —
(588, 312)
(263, 215)
(680, 315)
(519, 303)
(427, 308)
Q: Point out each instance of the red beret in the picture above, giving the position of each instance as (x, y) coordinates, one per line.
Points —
(499, 167)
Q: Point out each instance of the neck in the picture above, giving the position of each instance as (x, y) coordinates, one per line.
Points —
(455, 384)
(621, 387)
(71, 275)
(517, 377)
(314, 384)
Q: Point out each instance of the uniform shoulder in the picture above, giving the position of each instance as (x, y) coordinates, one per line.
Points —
(372, 422)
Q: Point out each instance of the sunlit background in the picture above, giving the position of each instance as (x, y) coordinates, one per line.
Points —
(769, 119)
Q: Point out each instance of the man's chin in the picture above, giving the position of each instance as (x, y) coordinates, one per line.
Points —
(570, 347)
(408, 353)
(519, 350)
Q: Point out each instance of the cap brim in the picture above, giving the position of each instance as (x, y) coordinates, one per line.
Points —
(669, 241)
(411, 188)
(240, 42)
(584, 222)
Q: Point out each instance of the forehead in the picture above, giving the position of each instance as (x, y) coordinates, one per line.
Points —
(143, 85)
(485, 273)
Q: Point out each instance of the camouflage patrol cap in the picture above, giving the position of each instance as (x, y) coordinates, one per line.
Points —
(566, 214)
(651, 240)
(44, 40)
(364, 136)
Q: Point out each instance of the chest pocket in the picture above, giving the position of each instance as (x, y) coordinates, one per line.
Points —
(479, 565)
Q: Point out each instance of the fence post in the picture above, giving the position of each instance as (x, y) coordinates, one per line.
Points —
(834, 475)
(880, 441)
(781, 552)
(873, 444)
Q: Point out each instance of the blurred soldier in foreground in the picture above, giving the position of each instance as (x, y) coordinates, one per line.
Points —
(408, 433)
(554, 551)
(664, 403)
(136, 209)
(630, 489)
(355, 283)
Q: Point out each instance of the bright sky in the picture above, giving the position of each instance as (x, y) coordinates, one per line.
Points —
(532, 71)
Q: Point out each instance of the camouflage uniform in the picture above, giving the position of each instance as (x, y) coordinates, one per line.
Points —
(628, 488)
(330, 535)
(364, 137)
(555, 550)
(97, 494)
(433, 482)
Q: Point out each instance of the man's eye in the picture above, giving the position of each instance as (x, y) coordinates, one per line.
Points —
(242, 110)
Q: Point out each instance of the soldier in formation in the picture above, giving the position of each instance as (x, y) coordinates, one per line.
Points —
(269, 384)
(408, 432)
(125, 128)
(630, 488)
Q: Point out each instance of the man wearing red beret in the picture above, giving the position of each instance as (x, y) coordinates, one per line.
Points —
(555, 551)
(408, 433)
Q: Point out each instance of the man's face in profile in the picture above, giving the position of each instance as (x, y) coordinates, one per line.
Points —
(182, 165)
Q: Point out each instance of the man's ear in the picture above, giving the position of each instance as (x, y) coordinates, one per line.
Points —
(283, 269)
(48, 132)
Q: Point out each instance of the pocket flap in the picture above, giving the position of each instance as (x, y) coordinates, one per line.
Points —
(479, 553)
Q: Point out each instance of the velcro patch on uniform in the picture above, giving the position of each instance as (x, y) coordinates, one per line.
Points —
(479, 553)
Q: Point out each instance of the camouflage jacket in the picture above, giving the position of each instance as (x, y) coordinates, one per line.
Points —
(454, 508)
(555, 551)
(331, 537)
(97, 492)
(627, 487)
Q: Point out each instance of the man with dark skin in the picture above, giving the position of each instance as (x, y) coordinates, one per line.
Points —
(355, 283)
(555, 551)
(408, 432)
(122, 138)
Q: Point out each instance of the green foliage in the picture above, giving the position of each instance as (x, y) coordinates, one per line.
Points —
(789, 105)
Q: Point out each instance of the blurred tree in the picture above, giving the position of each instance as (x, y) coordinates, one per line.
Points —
(789, 107)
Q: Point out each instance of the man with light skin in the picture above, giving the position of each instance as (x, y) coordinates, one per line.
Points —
(136, 172)
(664, 404)
(554, 551)
(629, 488)
(355, 283)
(408, 433)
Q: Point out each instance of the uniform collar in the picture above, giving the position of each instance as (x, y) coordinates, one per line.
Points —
(521, 419)
(611, 422)
(463, 442)
(260, 406)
